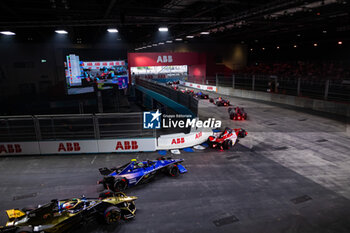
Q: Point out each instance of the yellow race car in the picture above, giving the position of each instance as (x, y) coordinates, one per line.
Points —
(59, 216)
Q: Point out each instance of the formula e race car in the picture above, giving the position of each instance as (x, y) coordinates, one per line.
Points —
(219, 101)
(237, 113)
(138, 172)
(226, 139)
(61, 216)
(189, 92)
(173, 82)
(201, 95)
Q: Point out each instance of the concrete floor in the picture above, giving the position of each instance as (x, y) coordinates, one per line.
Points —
(258, 186)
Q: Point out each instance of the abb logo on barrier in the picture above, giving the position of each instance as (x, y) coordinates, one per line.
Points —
(165, 59)
(198, 135)
(10, 148)
(178, 141)
(127, 145)
(69, 146)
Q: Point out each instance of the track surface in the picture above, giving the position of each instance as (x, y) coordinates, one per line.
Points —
(287, 154)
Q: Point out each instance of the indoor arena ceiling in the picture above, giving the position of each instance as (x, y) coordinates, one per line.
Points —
(137, 22)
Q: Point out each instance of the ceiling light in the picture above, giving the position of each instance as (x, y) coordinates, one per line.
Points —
(190, 37)
(178, 39)
(169, 41)
(112, 30)
(324, 31)
(61, 32)
(263, 48)
(149, 46)
(205, 33)
(8, 33)
(251, 49)
(277, 47)
(161, 43)
(315, 44)
(154, 45)
(340, 42)
(163, 29)
(295, 46)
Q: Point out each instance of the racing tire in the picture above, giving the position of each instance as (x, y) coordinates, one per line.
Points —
(218, 104)
(211, 100)
(227, 144)
(173, 170)
(108, 182)
(120, 185)
(112, 215)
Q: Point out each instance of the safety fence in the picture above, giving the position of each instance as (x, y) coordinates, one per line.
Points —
(76, 134)
(85, 133)
(167, 91)
(73, 127)
(329, 89)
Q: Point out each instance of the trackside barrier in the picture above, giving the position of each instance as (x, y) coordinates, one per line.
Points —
(78, 146)
(199, 86)
(182, 140)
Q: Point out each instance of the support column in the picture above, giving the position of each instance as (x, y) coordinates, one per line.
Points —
(37, 128)
(298, 87)
(253, 83)
(326, 89)
(96, 127)
(233, 81)
(99, 102)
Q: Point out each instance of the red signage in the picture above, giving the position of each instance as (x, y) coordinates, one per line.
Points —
(161, 59)
(198, 135)
(69, 146)
(127, 145)
(178, 141)
(10, 148)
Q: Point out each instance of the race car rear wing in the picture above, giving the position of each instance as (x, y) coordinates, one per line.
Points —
(105, 171)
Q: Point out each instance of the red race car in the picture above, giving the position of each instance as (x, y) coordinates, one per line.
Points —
(237, 113)
(219, 101)
(226, 139)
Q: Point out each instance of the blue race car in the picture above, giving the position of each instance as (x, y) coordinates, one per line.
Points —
(138, 172)
(201, 95)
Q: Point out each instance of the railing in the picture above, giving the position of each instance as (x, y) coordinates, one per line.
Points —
(179, 97)
(318, 89)
(330, 89)
(73, 127)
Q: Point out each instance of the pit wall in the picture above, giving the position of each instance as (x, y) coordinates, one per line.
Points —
(78, 146)
(182, 140)
(342, 109)
(164, 142)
